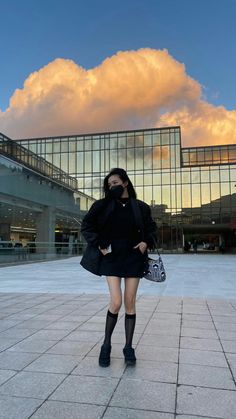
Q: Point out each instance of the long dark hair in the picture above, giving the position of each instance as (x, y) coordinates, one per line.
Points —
(124, 177)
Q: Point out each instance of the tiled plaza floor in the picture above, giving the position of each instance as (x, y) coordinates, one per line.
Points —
(50, 341)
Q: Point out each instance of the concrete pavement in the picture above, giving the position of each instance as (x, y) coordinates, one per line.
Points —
(51, 327)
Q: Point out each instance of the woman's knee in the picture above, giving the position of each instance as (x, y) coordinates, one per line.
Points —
(115, 305)
(129, 301)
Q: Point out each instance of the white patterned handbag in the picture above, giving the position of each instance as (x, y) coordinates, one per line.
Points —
(155, 270)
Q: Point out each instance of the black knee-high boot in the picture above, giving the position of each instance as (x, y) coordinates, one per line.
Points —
(130, 320)
(128, 351)
(111, 321)
(104, 357)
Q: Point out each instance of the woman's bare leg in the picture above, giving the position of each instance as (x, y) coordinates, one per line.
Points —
(131, 288)
(114, 284)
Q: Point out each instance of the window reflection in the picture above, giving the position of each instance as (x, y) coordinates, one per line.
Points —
(196, 198)
(205, 193)
(186, 196)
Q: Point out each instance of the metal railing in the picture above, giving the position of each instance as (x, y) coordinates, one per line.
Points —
(20, 154)
(36, 251)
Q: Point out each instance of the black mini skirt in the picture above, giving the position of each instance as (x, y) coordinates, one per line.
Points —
(123, 261)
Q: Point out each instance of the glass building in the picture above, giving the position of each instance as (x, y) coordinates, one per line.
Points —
(191, 191)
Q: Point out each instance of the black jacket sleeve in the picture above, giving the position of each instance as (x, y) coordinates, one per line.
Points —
(89, 226)
(150, 227)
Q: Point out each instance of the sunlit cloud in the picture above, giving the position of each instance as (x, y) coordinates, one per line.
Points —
(130, 90)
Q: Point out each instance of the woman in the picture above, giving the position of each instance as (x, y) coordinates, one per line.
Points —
(118, 229)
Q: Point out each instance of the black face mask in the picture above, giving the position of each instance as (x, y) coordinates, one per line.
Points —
(116, 191)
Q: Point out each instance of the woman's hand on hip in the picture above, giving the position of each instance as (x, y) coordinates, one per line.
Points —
(142, 246)
(103, 251)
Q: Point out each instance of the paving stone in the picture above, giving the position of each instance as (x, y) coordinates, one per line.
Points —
(62, 325)
(15, 360)
(194, 417)
(65, 410)
(226, 335)
(158, 317)
(30, 384)
(6, 343)
(160, 341)
(76, 318)
(120, 413)
(62, 364)
(225, 326)
(210, 358)
(140, 394)
(195, 324)
(50, 335)
(204, 376)
(71, 348)
(230, 318)
(198, 333)
(196, 317)
(89, 366)
(6, 324)
(170, 331)
(17, 408)
(200, 343)
(165, 372)
(34, 324)
(85, 336)
(5, 375)
(15, 332)
(35, 346)
(198, 310)
(231, 359)
(229, 345)
(93, 390)
(153, 353)
(206, 402)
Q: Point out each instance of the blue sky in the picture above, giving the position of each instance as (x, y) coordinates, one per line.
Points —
(201, 34)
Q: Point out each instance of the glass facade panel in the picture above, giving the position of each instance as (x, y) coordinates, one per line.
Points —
(157, 157)
(96, 161)
(80, 162)
(205, 193)
(113, 143)
(72, 163)
(196, 196)
(186, 196)
(147, 179)
(166, 178)
(215, 191)
(156, 138)
(72, 146)
(64, 146)
(148, 157)
(225, 188)
(205, 176)
(57, 146)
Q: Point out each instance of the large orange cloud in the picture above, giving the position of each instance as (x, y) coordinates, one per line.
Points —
(132, 89)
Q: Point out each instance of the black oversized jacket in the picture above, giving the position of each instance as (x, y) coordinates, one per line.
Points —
(95, 220)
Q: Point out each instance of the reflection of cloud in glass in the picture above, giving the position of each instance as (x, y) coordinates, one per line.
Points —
(161, 153)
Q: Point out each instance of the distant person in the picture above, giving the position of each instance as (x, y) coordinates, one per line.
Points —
(118, 229)
(222, 247)
(195, 246)
(187, 246)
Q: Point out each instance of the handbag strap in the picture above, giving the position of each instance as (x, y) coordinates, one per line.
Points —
(155, 244)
